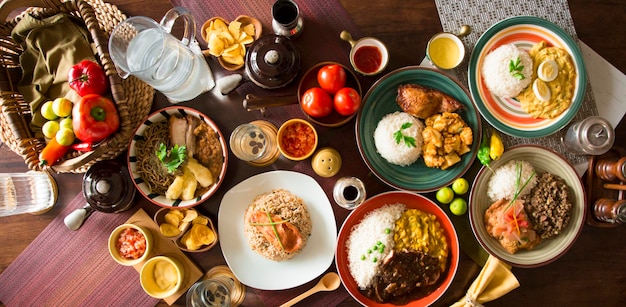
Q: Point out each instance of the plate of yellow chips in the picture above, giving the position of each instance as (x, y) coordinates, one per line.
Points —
(228, 41)
(191, 231)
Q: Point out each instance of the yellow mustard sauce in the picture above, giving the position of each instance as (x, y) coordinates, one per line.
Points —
(444, 52)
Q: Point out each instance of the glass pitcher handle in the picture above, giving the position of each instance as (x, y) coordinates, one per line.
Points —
(189, 23)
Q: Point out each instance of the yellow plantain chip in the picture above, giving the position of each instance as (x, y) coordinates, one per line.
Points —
(237, 60)
(216, 44)
(234, 27)
(188, 241)
(202, 234)
(219, 25)
(169, 230)
(249, 29)
(190, 215)
(200, 220)
(173, 218)
(245, 39)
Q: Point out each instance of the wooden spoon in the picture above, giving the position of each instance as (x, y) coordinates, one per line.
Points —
(329, 282)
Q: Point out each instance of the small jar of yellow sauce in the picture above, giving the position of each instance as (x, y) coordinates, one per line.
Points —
(445, 50)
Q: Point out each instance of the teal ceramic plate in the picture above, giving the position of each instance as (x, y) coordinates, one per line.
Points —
(380, 100)
(506, 115)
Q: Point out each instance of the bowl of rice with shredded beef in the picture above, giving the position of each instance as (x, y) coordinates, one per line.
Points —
(529, 208)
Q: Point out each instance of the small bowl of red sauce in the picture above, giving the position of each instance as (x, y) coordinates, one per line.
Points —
(130, 244)
(368, 55)
(297, 139)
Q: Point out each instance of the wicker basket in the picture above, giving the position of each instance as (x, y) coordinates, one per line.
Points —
(132, 96)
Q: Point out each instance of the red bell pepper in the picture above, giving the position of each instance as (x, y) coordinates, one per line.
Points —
(94, 118)
(87, 77)
(52, 152)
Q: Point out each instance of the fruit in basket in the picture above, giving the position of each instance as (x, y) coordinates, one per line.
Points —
(50, 128)
(87, 77)
(62, 107)
(52, 153)
(47, 111)
(94, 118)
(65, 136)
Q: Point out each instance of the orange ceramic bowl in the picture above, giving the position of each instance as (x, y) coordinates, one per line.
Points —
(411, 201)
(297, 139)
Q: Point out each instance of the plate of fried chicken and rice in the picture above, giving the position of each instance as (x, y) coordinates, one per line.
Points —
(418, 129)
(397, 248)
(527, 77)
(277, 230)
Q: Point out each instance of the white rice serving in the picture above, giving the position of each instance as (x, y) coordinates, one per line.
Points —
(499, 79)
(502, 183)
(394, 151)
(364, 255)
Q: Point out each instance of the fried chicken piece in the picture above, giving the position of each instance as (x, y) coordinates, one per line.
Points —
(423, 102)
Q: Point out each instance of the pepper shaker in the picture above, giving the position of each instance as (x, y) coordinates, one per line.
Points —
(611, 169)
(610, 210)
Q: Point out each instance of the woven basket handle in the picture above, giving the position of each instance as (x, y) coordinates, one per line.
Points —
(8, 6)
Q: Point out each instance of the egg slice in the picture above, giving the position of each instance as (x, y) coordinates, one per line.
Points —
(541, 90)
(548, 70)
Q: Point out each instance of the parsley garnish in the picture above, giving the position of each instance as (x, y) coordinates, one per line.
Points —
(399, 137)
(515, 68)
(173, 158)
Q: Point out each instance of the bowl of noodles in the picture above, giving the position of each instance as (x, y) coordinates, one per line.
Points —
(177, 157)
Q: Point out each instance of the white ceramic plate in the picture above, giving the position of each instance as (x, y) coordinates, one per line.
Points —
(543, 160)
(253, 269)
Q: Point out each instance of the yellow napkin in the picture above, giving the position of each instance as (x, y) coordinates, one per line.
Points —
(494, 281)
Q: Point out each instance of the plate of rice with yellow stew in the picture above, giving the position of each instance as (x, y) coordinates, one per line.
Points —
(527, 77)
(381, 242)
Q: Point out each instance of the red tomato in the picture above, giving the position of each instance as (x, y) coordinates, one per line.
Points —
(347, 101)
(331, 78)
(87, 77)
(316, 102)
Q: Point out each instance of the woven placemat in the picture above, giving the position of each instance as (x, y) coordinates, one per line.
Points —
(481, 15)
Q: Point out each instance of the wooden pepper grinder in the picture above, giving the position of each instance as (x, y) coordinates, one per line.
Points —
(610, 210)
(611, 169)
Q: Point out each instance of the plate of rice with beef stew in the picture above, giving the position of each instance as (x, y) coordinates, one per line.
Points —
(381, 241)
(529, 208)
(277, 230)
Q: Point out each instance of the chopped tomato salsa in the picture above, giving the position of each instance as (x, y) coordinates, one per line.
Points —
(131, 244)
(298, 139)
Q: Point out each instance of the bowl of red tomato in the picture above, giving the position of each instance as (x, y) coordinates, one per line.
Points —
(329, 94)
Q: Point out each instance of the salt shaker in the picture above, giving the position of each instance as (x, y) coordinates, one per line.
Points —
(593, 135)
(610, 210)
(611, 169)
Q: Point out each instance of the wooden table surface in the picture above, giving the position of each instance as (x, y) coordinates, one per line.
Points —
(593, 272)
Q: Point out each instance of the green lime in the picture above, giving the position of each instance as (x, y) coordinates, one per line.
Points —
(460, 186)
(47, 111)
(50, 129)
(458, 206)
(65, 137)
(445, 195)
(62, 107)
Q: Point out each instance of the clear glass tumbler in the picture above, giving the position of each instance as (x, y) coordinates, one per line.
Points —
(30, 192)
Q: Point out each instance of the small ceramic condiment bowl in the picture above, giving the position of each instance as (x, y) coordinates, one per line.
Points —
(115, 252)
(162, 276)
(368, 55)
(446, 50)
(244, 20)
(290, 142)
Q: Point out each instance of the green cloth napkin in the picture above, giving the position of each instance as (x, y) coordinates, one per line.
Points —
(51, 47)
